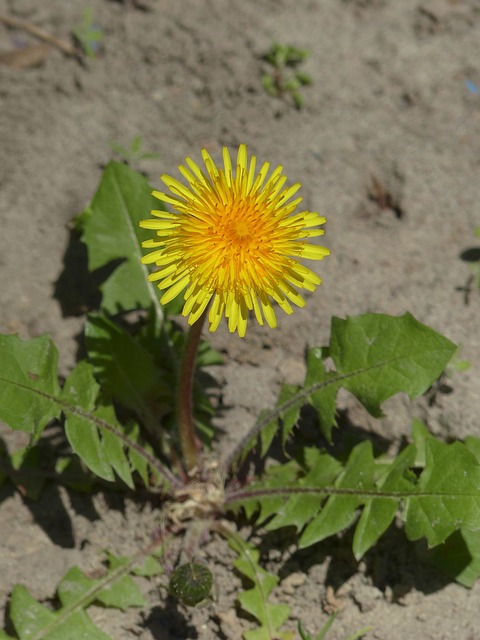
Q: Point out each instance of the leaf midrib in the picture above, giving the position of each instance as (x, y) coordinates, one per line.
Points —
(136, 249)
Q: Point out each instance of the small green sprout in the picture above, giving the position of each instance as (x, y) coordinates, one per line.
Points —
(283, 78)
(325, 629)
(88, 36)
(457, 364)
(134, 153)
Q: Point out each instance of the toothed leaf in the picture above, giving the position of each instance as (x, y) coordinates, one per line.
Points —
(32, 619)
(321, 497)
(459, 557)
(123, 367)
(375, 357)
(255, 600)
(28, 379)
(448, 494)
(111, 232)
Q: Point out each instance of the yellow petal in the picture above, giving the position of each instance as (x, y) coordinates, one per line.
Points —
(314, 252)
(174, 290)
(227, 163)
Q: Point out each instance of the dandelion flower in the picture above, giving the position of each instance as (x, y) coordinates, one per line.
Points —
(233, 241)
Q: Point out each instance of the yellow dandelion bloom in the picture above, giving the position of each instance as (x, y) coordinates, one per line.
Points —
(234, 241)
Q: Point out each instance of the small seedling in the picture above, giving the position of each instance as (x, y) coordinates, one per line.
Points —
(325, 629)
(88, 36)
(134, 153)
(283, 77)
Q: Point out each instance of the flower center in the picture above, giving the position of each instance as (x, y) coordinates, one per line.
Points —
(240, 231)
(238, 244)
(233, 248)
(239, 228)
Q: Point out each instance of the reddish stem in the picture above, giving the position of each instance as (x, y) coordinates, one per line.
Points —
(190, 445)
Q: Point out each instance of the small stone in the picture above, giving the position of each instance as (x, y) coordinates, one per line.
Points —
(292, 582)
(292, 370)
(366, 597)
(228, 623)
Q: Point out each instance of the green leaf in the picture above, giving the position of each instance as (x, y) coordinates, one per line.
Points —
(29, 468)
(340, 510)
(122, 151)
(95, 434)
(255, 600)
(419, 435)
(324, 497)
(123, 593)
(459, 557)
(473, 444)
(323, 469)
(136, 144)
(275, 477)
(323, 632)
(290, 417)
(378, 513)
(34, 621)
(166, 345)
(28, 378)
(324, 386)
(28, 616)
(376, 356)
(447, 495)
(27, 462)
(150, 567)
(123, 367)
(380, 356)
(114, 447)
(137, 460)
(73, 474)
(111, 232)
(81, 390)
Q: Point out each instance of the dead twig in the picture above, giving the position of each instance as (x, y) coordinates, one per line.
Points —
(64, 46)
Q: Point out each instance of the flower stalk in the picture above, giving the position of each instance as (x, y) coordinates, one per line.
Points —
(189, 442)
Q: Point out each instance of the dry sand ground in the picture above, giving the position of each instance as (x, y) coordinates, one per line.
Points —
(389, 105)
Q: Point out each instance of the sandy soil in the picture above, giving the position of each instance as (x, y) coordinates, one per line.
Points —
(387, 147)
